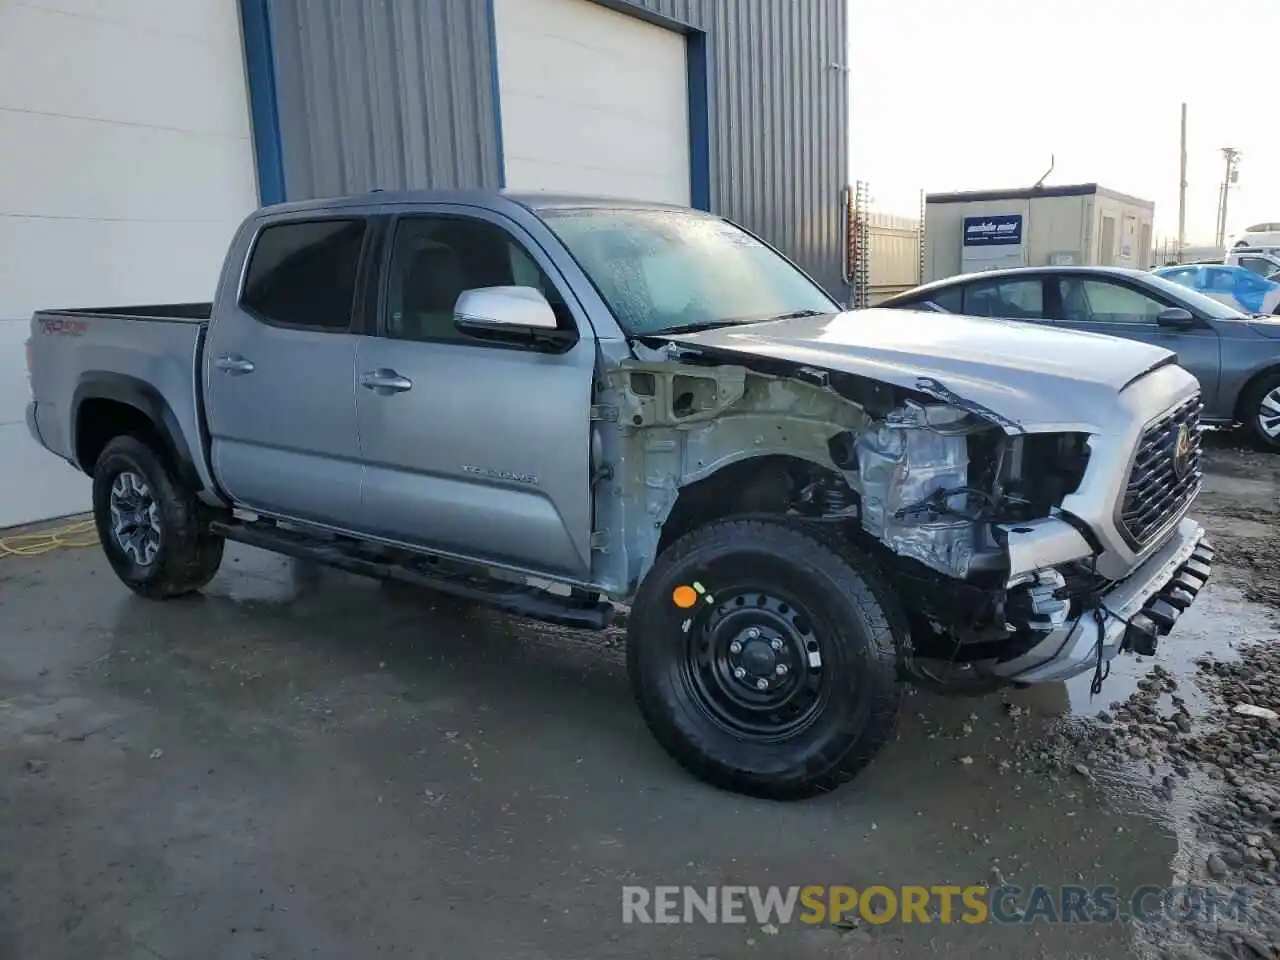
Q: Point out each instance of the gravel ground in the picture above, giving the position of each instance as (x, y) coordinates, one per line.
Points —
(1201, 741)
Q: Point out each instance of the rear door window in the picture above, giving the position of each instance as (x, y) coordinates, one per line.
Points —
(1220, 280)
(1187, 276)
(1019, 299)
(303, 274)
(949, 299)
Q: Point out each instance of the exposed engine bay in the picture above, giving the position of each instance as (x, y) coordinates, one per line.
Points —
(962, 507)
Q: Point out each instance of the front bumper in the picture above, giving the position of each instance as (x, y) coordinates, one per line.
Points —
(1139, 609)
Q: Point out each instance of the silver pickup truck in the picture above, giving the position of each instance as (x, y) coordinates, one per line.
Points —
(558, 405)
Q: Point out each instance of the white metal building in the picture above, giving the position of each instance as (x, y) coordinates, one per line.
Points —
(559, 133)
(126, 161)
(136, 134)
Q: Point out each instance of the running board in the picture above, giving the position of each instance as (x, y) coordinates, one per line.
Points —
(368, 560)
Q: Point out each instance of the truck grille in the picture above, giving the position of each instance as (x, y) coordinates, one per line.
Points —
(1166, 472)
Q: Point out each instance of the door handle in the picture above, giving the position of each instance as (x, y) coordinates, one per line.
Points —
(385, 382)
(234, 364)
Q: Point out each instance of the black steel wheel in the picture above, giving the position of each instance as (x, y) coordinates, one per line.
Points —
(754, 663)
(763, 656)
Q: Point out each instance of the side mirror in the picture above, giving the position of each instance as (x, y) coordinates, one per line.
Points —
(515, 315)
(1177, 318)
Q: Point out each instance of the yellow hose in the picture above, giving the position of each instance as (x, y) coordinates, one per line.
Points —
(82, 534)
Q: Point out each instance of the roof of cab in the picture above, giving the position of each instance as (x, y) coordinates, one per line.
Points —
(490, 199)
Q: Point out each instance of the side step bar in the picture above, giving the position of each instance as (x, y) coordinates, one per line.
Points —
(573, 611)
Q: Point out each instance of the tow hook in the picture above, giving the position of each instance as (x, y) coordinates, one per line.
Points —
(1161, 612)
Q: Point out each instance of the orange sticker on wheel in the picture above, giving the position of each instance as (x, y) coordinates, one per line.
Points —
(684, 597)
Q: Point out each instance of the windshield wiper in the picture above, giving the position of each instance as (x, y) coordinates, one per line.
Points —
(694, 327)
(797, 314)
(697, 325)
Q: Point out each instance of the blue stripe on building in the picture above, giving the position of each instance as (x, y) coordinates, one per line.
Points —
(260, 69)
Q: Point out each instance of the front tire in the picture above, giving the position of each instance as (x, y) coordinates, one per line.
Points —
(150, 524)
(1261, 409)
(779, 679)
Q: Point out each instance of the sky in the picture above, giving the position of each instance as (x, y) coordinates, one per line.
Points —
(979, 94)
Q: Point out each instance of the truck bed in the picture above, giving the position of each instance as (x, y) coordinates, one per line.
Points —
(146, 357)
(179, 312)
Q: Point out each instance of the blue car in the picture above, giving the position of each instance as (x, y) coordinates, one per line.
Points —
(1235, 286)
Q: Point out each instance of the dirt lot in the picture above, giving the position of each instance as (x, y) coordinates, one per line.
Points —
(303, 764)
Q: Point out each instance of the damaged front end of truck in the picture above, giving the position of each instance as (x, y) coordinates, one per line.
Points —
(966, 510)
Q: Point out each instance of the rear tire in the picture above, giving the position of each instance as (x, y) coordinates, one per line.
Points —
(1260, 410)
(780, 680)
(151, 526)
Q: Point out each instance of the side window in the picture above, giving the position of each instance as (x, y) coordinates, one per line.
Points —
(1258, 265)
(951, 299)
(1250, 282)
(435, 259)
(1101, 301)
(1186, 276)
(304, 274)
(1015, 299)
(1220, 281)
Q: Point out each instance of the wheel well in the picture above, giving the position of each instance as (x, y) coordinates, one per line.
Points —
(100, 420)
(760, 485)
(1241, 414)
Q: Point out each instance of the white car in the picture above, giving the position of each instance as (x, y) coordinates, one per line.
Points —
(1258, 235)
(1264, 261)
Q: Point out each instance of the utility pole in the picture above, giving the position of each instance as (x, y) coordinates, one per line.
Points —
(1182, 189)
(1229, 177)
(920, 242)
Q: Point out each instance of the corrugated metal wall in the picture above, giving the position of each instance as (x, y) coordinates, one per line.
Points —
(399, 93)
(384, 93)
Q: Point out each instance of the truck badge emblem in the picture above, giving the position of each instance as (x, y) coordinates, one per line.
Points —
(1182, 452)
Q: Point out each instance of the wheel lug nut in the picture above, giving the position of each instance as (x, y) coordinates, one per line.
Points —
(780, 669)
(753, 633)
(775, 643)
(762, 684)
(739, 672)
(735, 647)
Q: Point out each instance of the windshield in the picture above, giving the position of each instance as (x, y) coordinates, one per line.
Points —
(1207, 305)
(663, 270)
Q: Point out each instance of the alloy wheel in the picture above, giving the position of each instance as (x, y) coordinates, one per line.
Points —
(135, 518)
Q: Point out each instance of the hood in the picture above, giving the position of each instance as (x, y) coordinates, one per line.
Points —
(1267, 326)
(1025, 376)
(1262, 325)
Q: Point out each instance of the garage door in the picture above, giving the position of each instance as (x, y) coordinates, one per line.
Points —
(593, 101)
(125, 164)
